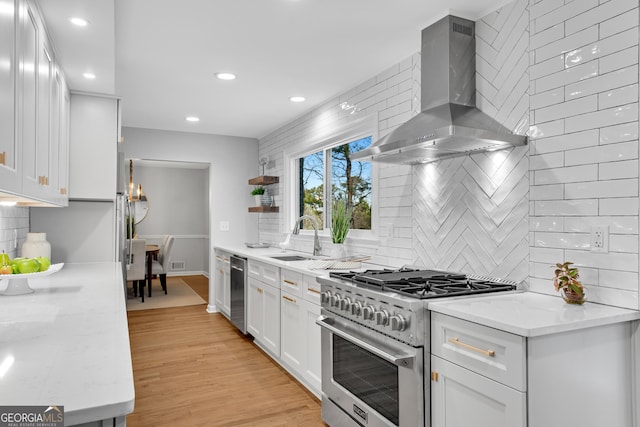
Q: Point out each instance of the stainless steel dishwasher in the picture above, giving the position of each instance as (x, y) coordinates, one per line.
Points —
(239, 292)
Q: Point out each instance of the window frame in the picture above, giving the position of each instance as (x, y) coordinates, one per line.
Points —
(360, 128)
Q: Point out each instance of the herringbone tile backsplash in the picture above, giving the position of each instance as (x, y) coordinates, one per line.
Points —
(471, 213)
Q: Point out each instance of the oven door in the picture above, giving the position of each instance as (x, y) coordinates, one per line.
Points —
(375, 380)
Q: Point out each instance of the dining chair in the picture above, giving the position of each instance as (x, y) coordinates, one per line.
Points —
(136, 272)
(160, 267)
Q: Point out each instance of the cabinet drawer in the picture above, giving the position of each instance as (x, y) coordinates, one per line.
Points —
(291, 281)
(311, 289)
(490, 352)
(264, 272)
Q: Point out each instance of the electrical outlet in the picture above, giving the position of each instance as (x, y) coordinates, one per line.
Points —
(600, 239)
(224, 225)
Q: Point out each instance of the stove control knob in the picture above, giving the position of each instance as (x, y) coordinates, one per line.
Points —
(382, 317)
(356, 308)
(345, 304)
(335, 300)
(325, 297)
(367, 312)
(398, 323)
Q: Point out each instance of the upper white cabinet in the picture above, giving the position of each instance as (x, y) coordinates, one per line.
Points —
(33, 123)
(9, 153)
(93, 147)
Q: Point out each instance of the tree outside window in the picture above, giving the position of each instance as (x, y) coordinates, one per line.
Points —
(347, 180)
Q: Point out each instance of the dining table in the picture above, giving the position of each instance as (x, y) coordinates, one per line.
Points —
(152, 253)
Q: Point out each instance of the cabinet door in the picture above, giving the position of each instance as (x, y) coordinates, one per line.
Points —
(28, 97)
(292, 326)
(63, 147)
(55, 115)
(93, 148)
(461, 398)
(10, 179)
(255, 308)
(226, 295)
(312, 369)
(218, 281)
(271, 324)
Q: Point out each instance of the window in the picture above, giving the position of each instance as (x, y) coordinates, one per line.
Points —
(330, 174)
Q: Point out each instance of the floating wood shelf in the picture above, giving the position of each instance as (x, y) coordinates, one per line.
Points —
(264, 180)
(263, 209)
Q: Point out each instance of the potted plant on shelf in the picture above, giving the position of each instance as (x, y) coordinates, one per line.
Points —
(340, 223)
(566, 282)
(257, 193)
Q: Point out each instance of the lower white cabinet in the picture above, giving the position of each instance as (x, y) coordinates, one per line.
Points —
(222, 283)
(263, 315)
(313, 364)
(293, 328)
(462, 398)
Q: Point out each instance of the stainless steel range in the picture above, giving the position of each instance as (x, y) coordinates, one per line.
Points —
(375, 342)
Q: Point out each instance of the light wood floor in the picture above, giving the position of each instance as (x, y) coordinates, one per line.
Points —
(192, 368)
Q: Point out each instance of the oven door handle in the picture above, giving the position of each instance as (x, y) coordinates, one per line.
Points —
(402, 359)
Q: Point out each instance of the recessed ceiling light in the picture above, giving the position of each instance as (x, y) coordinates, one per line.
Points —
(297, 99)
(226, 76)
(89, 76)
(79, 21)
(192, 119)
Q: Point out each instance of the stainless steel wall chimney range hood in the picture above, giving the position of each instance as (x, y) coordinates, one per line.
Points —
(449, 124)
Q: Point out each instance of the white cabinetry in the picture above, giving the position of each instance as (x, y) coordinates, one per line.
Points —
(300, 336)
(9, 153)
(484, 376)
(222, 283)
(93, 147)
(263, 303)
(33, 137)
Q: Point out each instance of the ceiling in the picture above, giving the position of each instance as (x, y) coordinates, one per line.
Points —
(161, 56)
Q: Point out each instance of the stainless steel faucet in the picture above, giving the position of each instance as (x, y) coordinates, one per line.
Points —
(316, 241)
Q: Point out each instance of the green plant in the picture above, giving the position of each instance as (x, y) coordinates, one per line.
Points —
(340, 221)
(567, 279)
(257, 191)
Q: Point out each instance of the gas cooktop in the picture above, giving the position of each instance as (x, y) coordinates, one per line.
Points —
(423, 283)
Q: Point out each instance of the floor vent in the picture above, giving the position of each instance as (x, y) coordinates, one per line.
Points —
(177, 265)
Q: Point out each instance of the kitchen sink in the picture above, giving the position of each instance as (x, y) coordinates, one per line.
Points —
(289, 257)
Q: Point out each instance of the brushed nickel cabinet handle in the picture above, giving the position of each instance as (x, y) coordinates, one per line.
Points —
(289, 299)
(456, 341)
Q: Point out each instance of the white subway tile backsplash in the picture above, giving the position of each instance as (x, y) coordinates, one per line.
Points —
(619, 206)
(565, 142)
(550, 224)
(620, 23)
(602, 154)
(596, 15)
(567, 44)
(598, 119)
(623, 243)
(546, 130)
(546, 161)
(561, 14)
(618, 170)
(584, 207)
(611, 260)
(546, 192)
(566, 174)
(551, 34)
(602, 83)
(616, 224)
(567, 109)
(548, 256)
(561, 240)
(600, 189)
(619, 133)
(566, 77)
(619, 96)
(618, 279)
(544, 99)
(622, 59)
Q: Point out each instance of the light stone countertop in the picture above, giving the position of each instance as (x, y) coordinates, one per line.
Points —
(530, 314)
(70, 344)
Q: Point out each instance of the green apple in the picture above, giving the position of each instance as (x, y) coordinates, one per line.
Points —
(28, 265)
(45, 263)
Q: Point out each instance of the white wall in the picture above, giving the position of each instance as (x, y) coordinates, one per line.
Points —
(233, 161)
